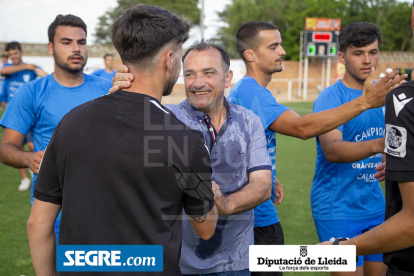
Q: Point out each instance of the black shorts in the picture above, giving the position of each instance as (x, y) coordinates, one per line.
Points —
(268, 235)
(395, 272)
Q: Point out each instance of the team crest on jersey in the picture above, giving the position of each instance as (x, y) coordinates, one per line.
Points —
(395, 141)
(26, 77)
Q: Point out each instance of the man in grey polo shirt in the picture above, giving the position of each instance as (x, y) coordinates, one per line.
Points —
(240, 163)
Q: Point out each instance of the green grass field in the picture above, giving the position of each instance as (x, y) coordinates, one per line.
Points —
(295, 165)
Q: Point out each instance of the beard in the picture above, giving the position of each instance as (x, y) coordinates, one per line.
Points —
(270, 70)
(65, 66)
(169, 84)
(273, 70)
(278, 69)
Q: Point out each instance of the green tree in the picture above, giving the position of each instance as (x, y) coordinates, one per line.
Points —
(396, 27)
(391, 16)
(186, 9)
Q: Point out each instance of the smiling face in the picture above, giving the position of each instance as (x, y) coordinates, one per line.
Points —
(205, 79)
(359, 60)
(269, 53)
(69, 48)
(15, 55)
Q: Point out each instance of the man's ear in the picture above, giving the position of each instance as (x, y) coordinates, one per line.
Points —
(168, 58)
(228, 78)
(341, 58)
(50, 48)
(249, 55)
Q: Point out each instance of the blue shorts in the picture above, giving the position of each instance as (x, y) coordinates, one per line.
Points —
(349, 228)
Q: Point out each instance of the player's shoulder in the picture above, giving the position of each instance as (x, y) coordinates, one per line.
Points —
(181, 116)
(181, 110)
(404, 91)
(235, 108)
(90, 108)
(333, 89)
(97, 80)
(36, 86)
(248, 90)
(248, 85)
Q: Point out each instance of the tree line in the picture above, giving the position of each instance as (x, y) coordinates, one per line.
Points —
(393, 17)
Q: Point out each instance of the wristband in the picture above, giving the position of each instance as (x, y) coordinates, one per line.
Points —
(336, 242)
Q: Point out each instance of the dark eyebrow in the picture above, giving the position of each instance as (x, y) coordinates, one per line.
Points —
(65, 38)
(360, 51)
(275, 44)
(209, 69)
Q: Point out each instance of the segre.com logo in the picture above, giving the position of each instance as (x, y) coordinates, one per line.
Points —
(109, 258)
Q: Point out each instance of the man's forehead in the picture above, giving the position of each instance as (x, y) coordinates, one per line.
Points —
(70, 32)
(209, 57)
(268, 36)
(369, 47)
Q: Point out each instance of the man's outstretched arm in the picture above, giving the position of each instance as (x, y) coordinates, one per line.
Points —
(11, 69)
(40, 72)
(315, 124)
(42, 238)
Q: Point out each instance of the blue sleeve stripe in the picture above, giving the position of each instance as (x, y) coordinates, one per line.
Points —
(258, 168)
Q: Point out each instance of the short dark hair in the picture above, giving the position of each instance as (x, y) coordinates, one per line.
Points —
(246, 36)
(206, 44)
(140, 32)
(13, 46)
(4, 56)
(65, 20)
(358, 34)
(108, 55)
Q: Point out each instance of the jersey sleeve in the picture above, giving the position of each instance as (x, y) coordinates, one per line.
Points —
(47, 186)
(262, 103)
(198, 197)
(258, 155)
(19, 114)
(327, 99)
(399, 137)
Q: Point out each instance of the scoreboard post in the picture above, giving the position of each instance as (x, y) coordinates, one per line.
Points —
(320, 40)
